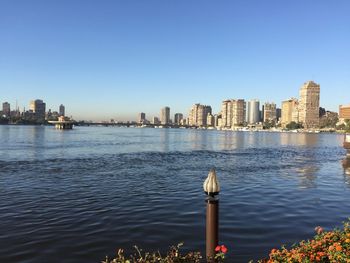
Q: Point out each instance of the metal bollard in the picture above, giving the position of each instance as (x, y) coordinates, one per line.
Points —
(211, 187)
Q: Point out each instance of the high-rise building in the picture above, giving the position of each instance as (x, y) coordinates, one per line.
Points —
(177, 118)
(141, 117)
(6, 109)
(253, 112)
(198, 115)
(203, 111)
(155, 120)
(183, 122)
(278, 114)
(289, 112)
(344, 113)
(62, 110)
(309, 105)
(219, 121)
(165, 116)
(216, 120)
(270, 112)
(226, 114)
(238, 112)
(210, 120)
(38, 107)
(233, 113)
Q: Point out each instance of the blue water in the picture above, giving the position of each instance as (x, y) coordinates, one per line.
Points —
(77, 196)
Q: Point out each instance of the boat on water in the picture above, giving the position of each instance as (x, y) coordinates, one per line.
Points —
(63, 123)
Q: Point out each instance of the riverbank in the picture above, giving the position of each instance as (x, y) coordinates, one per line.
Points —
(237, 129)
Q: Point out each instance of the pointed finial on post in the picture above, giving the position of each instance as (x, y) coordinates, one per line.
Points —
(211, 185)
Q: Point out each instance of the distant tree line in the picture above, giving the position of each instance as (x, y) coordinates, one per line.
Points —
(294, 126)
(20, 120)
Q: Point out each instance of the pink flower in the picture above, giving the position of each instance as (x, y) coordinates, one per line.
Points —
(223, 249)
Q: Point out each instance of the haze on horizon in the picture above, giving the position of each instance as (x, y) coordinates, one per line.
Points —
(114, 59)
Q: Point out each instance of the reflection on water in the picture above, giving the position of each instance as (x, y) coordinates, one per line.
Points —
(346, 165)
(229, 142)
(299, 139)
(37, 141)
(307, 176)
(164, 139)
(307, 167)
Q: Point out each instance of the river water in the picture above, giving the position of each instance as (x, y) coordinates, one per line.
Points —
(78, 195)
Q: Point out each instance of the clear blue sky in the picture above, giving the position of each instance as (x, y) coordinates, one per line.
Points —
(112, 59)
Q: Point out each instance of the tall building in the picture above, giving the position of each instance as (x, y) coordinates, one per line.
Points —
(344, 113)
(6, 109)
(38, 107)
(183, 122)
(233, 113)
(62, 110)
(289, 112)
(203, 111)
(210, 120)
(216, 120)
(226, 114)
(155, 120)
(198, 115)
(309, 105)
(270, 113)
(177, 118)
(165, 116)
(253, 111)
(278, 114)
(238, 112)
(141, 117)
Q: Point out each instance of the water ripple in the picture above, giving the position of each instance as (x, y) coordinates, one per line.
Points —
(82, 194)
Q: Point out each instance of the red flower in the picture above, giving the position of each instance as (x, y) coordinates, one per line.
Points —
(218, 248)
(223, 249)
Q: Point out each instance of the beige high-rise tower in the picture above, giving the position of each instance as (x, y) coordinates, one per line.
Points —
(289, 112)
(39, 109)
(269, 112)
(198, 115)
(238, 112)
(226, 111)
(233, 113)
(309, 105)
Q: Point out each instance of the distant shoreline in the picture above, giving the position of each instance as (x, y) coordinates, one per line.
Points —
(243, 129)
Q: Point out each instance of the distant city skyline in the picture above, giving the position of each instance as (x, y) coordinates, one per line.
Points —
(303, 112)
(250, 111)
(115, 59)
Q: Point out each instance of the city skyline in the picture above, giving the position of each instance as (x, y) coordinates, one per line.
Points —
(101, 58)
(259, 113)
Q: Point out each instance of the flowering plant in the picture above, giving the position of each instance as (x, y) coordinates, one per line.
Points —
(220, 253)
(332, 246)
(172, 256)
